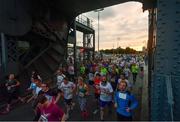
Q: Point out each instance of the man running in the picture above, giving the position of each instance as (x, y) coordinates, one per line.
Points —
(106, 92)
(67, 89)
(12, 91)
(125, 102)
(97, 81)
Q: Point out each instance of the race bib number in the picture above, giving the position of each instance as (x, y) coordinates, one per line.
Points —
(122, 96)
(81, 94)
(43, 119)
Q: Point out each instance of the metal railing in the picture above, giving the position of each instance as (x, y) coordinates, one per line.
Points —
(84, 20)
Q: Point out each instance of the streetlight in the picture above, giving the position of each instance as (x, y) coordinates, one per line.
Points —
(98, 10)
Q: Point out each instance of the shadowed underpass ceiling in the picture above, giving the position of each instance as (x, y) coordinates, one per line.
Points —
(17, 16)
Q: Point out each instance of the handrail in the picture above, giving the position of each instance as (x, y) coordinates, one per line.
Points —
(35, 58)
(84, 20)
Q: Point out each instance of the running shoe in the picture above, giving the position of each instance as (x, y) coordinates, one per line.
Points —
(95, 112)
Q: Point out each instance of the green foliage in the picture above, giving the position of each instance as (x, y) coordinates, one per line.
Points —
(119, 50)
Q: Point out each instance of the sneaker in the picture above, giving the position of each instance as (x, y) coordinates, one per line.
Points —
(95, 112)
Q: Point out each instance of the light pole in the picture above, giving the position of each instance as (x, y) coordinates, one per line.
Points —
(98, 10)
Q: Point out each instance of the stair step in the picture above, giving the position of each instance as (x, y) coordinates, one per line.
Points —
(49, 62)
(44, 72)
(59, 49)
(54, 56)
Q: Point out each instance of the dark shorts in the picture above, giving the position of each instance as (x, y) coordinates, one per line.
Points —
(142, 68)
(11, 96)
(97, 96)
(68, 101)
(59, 90)
(105, 103)
(71, 78)
(123, 118)
(91, 82)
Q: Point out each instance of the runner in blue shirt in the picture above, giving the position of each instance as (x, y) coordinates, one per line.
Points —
(125, 102)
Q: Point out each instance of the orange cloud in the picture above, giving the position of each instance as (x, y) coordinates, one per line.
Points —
(122, 25)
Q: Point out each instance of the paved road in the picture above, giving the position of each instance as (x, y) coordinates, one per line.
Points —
(24, 111)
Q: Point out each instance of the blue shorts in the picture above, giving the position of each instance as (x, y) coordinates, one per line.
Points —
(105, 103)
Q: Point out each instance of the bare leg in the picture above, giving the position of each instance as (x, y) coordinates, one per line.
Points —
(102, 113)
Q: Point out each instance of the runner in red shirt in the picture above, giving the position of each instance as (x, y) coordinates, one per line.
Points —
(97, 81)
(49, 110)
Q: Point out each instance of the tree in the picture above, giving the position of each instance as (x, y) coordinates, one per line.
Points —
(120, 50)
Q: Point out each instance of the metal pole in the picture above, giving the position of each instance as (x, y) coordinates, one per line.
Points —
(93, 45)
(98, 31)
(98, 10)
(84, 45)
(75, 62)
(4, 52)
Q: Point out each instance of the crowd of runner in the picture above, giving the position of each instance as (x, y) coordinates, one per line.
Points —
(108, 80)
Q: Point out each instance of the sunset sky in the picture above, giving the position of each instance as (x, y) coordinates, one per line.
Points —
(120, 25)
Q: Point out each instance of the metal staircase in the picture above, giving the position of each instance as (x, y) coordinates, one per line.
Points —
(45, 55)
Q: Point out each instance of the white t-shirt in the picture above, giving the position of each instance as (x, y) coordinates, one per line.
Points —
(126, 71)
(141, 64)
(122, 64)
(91, 76)
(38, 89)
(103, 89)
(96, 73)
(67, 89)
(71, 70)
(60, 80)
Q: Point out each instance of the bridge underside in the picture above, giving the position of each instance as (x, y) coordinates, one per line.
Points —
(18, 16)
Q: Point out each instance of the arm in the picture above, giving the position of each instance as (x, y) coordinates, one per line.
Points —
(77, 89)
(87, 90)
(115, 100)
(63, 118)
(134, 102)
(58, 97)
(110, 90)
(74, 87)
(17, 84)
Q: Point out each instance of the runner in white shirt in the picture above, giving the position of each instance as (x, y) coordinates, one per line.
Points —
(67, 89)
(126, 71)
(106, 92)
(60, 77)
